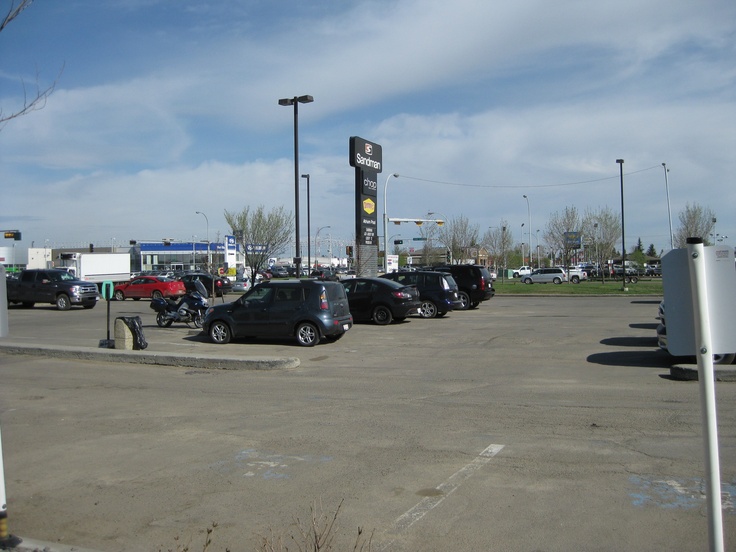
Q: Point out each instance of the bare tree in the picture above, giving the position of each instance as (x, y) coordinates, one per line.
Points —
(696, 221)
(498, 241)
(602, 229)
(556, 233)
(459, 236)
(38, 99)
(260, 234)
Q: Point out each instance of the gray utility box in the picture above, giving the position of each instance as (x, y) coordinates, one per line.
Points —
(720, 275)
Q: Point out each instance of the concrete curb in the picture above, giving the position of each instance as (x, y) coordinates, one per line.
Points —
(142, 357)
(689, 372)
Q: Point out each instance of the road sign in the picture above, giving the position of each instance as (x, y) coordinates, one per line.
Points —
(419, 239)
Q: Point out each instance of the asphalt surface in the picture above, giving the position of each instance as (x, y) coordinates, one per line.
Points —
(529, 424)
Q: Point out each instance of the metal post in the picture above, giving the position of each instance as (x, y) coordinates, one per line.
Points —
(701, 315)
(385, 223)
(309, 242)
(669, 210)
(623, 226)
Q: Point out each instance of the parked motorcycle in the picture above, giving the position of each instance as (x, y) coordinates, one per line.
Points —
(189, 309)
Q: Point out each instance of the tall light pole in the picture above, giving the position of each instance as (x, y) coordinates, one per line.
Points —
(669, 210)
(207, 221)
(522, 244)
(529, 213)
(309, 243)
(623, 228)
(385, 222)
(316, 237)
(295, 101)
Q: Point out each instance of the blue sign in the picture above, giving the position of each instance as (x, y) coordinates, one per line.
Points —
(255, 248)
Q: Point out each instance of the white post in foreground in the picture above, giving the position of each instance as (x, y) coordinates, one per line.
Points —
(704, 355)
(6, 540)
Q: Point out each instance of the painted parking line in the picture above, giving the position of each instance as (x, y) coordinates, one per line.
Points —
(445, 489)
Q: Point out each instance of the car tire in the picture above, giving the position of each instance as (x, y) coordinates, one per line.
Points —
(526, 281)
(157, 294)
(162, 320)
(62, 302)
(557, 280)
(724, 359)
(220, 333)
(427, 309)
(382, 315)
(575, 279)
(119, 296)
(464, 300)
(307, 334)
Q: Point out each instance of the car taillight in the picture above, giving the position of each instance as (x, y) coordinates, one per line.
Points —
(401, 294)
(323, 304)
(219, 283)
(482, 283)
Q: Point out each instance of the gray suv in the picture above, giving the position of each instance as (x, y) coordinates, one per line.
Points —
(308, 310)
(545, 276)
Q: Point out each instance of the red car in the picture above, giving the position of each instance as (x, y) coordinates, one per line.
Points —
(150, 287)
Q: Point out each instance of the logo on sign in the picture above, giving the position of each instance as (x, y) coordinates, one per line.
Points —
(369, 206)
(368, 149)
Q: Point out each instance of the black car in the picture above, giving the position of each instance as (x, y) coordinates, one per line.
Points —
(222, 285)
(381, 300)
(474, 282)
(325, 274)
(438, 291)
(307, 310)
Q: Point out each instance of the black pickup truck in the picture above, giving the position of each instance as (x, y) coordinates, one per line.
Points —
(54, 286)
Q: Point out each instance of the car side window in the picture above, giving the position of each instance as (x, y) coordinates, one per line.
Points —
(288, 295)
(259, 296)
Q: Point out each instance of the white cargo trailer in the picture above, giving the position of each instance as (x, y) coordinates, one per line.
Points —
(97, 267)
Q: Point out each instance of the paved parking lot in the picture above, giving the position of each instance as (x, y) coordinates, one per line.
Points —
(532, 423)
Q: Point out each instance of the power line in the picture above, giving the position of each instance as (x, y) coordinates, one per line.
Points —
(526, 185)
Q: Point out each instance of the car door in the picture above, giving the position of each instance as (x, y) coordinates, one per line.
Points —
(250, 313)
(139, 286)
(284, 309)
(360, 294)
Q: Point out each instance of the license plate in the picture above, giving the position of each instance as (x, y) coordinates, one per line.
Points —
(346, 327)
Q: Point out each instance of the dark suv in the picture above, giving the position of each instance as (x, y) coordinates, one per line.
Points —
(222, 285)
(307, 310)
(438, 291)
(474, 281)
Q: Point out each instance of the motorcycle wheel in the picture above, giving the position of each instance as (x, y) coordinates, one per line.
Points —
(162, 320)
(198, 319)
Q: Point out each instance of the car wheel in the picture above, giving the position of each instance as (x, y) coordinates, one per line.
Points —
(119, 296)
(724, 359)
(157, 295)
(220, 333)
(382, 315)
(63, 303)
(557, 280)
(526, 281)
(307, 334)
(162, 320)
(427, 309)
(464, 300)
(575, 279)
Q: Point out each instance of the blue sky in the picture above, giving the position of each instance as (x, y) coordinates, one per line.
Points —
(167, 107)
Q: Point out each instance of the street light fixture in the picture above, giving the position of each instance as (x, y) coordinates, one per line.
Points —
(385, 222)
(209, 256)
(309, 244)
(295, 101)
